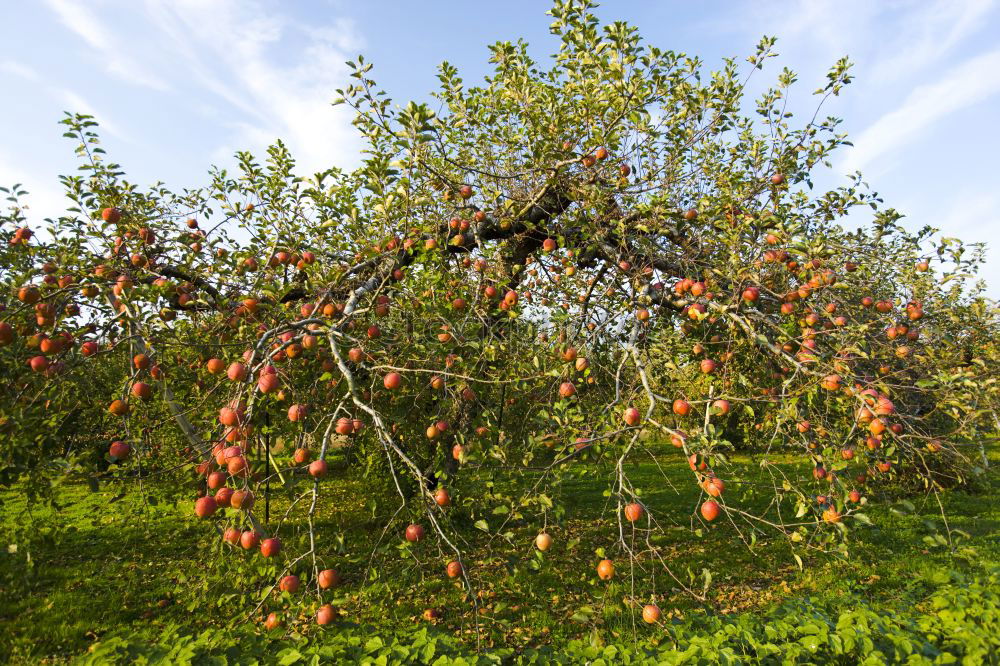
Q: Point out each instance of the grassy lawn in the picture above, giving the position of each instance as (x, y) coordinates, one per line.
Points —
(102, 564)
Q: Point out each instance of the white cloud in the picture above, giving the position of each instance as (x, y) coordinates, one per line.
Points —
(256, 71)
(918, 64)
(105, 40)
(19, 69)
(279, 73)
(927, 32)
(897, 38)
(893, 43)
(814, 29)
(969, 83)
(971, 213)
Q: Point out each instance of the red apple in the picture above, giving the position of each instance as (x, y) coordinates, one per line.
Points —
(237, 372)
(224, 496)
(632, 416)
(270, 547)
(713, 486)
(605, 569)
(111, 215)
(118, 408)
(297, 412)
(328, 578)
(325, 615)
(229, 416)
(317, 468)
(205, 506)
(237, 466)
(650, 614)
(216, 480)
(7, 336)
(249, 539)
(345, 426)
(119, 450)
(289, 584)
(242, 499)
(267, 383)
(634, 511)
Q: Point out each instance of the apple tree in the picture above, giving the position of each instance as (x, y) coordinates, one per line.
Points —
(558, 272)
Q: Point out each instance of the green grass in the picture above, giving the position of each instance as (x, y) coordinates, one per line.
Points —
(101, 564)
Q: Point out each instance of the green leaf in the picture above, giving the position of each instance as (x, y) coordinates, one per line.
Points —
(289, 656)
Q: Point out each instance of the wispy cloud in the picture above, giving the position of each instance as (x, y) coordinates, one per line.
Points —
(69, 99)
(281, 74)
(257, 70)
(18, 69)
(971, 213)
(927, 32)
(918, 63)
(969, 83)
(814, 29)
(103, 39)
(893, 43)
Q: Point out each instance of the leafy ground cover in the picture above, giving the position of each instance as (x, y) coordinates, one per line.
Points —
(119, 577)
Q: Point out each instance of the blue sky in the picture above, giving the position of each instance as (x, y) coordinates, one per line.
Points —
(179, 85)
